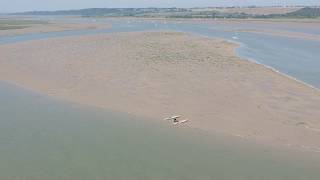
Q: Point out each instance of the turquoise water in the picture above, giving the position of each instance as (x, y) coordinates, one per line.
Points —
(295, 57)
(41, 138)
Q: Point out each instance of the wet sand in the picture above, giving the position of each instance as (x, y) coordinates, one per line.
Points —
(159, 74)
(282, 33)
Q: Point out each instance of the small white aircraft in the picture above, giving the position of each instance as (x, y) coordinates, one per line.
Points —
(175, 120)
(172, 118)
(181, 122)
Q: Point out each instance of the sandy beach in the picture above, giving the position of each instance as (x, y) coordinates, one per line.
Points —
(160, 74)
(52, 27)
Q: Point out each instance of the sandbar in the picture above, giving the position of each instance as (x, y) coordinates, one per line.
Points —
(159, 74)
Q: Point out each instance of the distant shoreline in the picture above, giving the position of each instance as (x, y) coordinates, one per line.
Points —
(19, 26)
(312, 12)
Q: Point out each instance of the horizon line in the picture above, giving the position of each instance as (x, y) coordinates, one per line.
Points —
(248, 6)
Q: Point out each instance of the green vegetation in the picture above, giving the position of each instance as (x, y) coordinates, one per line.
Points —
(4, 27)
(7, 24)
(307, 12)
(109, 12)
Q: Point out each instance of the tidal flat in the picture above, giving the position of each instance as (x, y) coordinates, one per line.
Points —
(159, 74)
(13, 26)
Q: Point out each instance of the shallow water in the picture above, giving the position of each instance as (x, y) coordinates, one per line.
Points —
(296, 57)
(41, 138)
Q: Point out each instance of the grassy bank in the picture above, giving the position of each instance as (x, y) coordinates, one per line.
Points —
(10, 24)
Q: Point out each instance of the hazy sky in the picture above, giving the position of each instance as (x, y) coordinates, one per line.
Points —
(28, 5)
